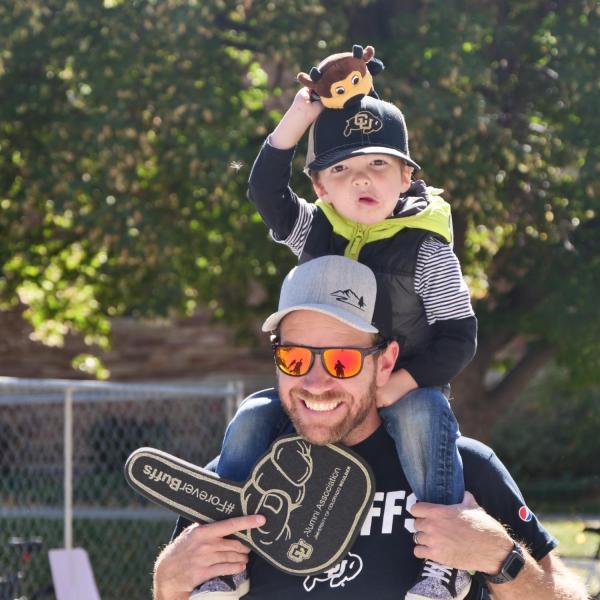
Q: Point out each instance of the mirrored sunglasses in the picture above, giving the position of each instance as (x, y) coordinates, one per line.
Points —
(342, 363)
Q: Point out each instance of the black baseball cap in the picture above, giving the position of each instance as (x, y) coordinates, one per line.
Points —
(369, 127)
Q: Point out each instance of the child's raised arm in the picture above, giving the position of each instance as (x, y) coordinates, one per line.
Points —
(298, 118)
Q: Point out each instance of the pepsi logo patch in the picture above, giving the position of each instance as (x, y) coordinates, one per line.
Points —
(525, 514)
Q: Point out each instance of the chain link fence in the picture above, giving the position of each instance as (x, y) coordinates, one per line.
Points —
(62, 449)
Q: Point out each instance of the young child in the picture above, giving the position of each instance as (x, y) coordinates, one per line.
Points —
(369, 210)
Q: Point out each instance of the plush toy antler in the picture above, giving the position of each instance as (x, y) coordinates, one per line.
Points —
(343, 78)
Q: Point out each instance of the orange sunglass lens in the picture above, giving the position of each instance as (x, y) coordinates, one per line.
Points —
(342, 363)
(293, 360)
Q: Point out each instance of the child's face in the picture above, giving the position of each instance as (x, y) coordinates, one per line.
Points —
(364, 188)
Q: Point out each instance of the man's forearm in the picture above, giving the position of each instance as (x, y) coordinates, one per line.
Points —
(160, 587)
(464, 536)
(544, 580)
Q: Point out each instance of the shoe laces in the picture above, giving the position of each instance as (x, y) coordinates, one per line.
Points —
(437, 571)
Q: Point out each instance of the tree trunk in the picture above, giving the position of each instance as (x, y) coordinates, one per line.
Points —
(478, 408)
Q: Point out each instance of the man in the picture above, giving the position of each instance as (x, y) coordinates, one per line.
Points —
(516, 562)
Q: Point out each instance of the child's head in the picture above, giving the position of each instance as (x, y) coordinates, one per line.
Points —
(358, 159)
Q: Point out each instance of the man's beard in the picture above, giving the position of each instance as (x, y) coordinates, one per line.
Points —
(359, 410)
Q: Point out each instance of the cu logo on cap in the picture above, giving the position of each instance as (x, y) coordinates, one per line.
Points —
(300, 551)
(362, 121)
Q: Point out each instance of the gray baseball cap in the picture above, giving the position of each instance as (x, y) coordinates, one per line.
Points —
(333, 285)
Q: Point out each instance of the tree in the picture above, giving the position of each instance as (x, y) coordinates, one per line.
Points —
(127, 129)
(500, 93)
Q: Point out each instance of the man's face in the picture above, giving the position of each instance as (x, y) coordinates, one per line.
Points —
(365, 188)
(325, 409)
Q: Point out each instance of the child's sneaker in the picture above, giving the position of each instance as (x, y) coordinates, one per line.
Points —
(226, 587)
(437, 582)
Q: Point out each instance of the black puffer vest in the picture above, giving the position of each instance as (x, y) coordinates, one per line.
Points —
(399, 312)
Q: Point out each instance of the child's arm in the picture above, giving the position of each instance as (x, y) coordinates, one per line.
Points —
(400, 383)
(286, 215)
(294, 123)
(447, 305)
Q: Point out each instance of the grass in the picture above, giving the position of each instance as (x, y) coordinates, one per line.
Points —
(573, 541)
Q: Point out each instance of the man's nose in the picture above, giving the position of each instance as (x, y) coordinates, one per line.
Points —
(317, 380)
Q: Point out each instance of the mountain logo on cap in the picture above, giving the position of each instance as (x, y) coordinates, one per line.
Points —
(362, 121)
(349, 297)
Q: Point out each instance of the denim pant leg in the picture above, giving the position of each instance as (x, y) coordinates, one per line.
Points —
(259, 420)
(425, 431)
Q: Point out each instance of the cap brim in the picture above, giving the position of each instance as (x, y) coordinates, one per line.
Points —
(331, 158)
(340, 314)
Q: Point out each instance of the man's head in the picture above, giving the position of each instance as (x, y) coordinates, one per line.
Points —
(359, 161)
(329, 356)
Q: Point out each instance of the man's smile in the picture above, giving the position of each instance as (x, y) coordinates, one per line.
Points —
(321, 406)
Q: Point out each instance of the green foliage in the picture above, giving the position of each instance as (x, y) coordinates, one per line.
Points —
(120, 120)
(549, 440)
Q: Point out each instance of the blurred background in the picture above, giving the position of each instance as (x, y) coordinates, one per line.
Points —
(129, 251)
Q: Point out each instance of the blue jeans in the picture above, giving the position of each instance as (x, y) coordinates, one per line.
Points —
(425, 431)
(421, 424)
(259, 420)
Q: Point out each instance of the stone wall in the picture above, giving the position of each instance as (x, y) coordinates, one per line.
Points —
(182, 349)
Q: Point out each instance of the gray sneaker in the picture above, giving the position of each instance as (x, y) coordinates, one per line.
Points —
(226, 587)
(437, 582)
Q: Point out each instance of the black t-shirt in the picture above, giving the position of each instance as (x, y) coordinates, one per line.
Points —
(381, 563)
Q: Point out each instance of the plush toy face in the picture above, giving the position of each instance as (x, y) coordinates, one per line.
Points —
(342, 78)
(355, 85)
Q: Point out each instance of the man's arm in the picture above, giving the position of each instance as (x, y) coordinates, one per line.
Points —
(200, 553)
(464, 536)
(548, 578)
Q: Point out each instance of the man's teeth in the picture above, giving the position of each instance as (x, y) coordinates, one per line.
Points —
(321, 406)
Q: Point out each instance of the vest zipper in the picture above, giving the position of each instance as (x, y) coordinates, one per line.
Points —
(357, 241)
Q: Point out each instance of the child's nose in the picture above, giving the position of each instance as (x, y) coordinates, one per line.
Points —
(361, 179)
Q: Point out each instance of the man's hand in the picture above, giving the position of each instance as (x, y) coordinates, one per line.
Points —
(400, 383)
(297, 119)
(462, 536)
(200, 553)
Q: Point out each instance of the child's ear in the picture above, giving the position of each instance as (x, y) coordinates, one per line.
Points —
(319, 188)
(407, 172)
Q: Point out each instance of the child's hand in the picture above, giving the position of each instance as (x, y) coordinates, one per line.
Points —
(400, 383)
(310, 108)
(297, 119)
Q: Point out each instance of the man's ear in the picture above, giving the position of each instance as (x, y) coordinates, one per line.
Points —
(385, 363)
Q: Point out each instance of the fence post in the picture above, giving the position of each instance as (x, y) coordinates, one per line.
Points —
(235, 395)
(68, 466)
(239, 395)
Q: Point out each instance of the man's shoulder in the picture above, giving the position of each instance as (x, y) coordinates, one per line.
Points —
(474, 448)
(478, 458)
(483, 470)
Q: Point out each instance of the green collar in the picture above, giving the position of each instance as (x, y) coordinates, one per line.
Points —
(436, 217)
